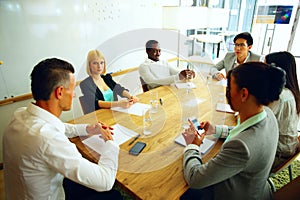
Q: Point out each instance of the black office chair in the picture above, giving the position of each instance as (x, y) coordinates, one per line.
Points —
(144, 85)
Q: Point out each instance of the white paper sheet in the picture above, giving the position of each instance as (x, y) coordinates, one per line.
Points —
(135, 109)
(204, 147)
(95, 143)
(193, 102)
(222, 82)
(185, 85)
(224, 107)
(121, 135)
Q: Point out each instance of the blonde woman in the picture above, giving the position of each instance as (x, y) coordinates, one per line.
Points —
(99, 89)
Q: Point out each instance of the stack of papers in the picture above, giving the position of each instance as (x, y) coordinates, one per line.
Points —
(121, 135)
(135, 109)
(204, 147)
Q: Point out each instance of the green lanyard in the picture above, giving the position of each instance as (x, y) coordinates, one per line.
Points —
(246, 124)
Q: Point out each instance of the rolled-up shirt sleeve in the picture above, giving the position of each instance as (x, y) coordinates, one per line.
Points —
(165, 79)
(74, 130)
(64, 157)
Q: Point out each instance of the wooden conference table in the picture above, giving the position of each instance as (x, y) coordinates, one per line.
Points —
(157, 172)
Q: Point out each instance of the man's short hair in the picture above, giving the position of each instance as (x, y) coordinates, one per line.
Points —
(47, 75)
(245, 35)
(149, 44)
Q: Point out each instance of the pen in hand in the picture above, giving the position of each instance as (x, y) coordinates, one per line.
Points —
(134, 139)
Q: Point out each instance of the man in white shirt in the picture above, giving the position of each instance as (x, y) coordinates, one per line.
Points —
(37, 153)
(155, 72)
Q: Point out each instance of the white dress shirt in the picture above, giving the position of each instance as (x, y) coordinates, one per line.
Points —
(157, 73)
(37, 155)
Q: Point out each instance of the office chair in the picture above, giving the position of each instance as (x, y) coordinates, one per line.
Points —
(287, 164)
(86, 104)
(290, 191)
(144, 85)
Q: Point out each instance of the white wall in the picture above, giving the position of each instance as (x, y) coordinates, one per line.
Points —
(33, 30)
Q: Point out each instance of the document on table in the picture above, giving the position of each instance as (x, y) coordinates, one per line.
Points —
(135, 109)
(204, 147)
(222, 82)
(185, 85)
(121, 135)
(224, 107)
(193, 102)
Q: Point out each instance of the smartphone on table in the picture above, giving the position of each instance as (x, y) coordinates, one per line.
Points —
(137, 148)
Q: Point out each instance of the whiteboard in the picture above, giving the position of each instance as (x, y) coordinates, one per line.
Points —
(34, 30)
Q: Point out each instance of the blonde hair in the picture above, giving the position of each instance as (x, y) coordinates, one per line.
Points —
(92, 55)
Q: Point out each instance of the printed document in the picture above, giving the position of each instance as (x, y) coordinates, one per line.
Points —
(121, 135)
(135, 109)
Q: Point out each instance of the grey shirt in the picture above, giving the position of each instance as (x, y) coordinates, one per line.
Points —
(242, 167)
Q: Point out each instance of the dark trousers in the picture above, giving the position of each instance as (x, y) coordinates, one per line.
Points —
(75, 191)
(198, 194)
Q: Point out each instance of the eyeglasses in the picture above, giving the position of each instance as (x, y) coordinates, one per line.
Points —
(242, 45)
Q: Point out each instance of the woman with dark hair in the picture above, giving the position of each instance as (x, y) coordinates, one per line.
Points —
(287, 108)
(241, 169)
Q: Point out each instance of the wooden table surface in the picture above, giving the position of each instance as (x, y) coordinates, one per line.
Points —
(157, 172)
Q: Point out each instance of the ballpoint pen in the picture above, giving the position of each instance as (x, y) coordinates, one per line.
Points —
(160, 101)
(134, 139)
